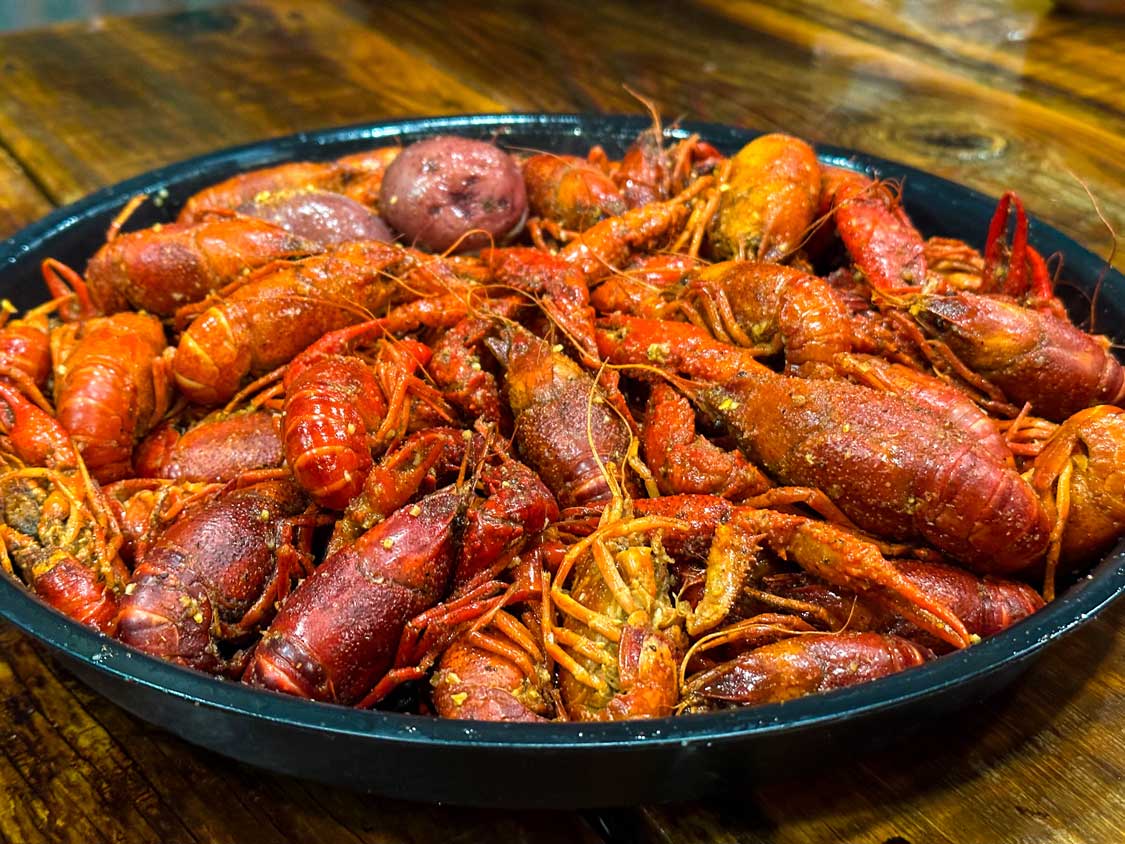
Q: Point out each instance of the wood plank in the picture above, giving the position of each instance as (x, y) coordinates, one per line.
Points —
(21, 202)
(1049, 57)
(43, 760)
(84, 107)
(24, 817)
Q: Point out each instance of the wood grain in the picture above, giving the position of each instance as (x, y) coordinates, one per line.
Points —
(20, 200)
(994, 95)
(210, 79)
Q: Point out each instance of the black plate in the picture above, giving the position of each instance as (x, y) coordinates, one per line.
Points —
(556, 765)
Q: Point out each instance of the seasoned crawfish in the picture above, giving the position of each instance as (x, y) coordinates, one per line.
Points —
(363, 464)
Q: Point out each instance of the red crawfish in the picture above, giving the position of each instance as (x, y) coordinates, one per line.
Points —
(517, 506)
(569, 191)
(880, 238)
(358, 175)
(651, 172)
(766, 307)
(458, 371)
(557, 284)
(1017, 270)
(684, 462)
(111, 387)
(648, 286)
(496, 668)
(336, 636)
(892, 467)
(1031, 355)
(621, 640)
(493, 672)
(340, 411)
(564, 427)
(373, 605)
(833, 554)
(411, 467)
(56, 528)
(25, 350)
(280, 311)
(165, 267)
(215, 574)
(607, 245)
(144, 507)
(217, 449)
(985, 605)
(769, 200)
(770, 308)
(801, 665)
(1081, 473)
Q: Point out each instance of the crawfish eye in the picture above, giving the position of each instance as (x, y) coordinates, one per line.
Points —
(938, 323)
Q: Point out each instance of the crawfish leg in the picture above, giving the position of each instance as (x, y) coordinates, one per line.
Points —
(684, 462)
(844, 559)
(426, 635)
(815, 499)
(732, 554)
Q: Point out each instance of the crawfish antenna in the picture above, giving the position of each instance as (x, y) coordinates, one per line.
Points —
(475, 457)
(615, 488)
(1112, 249)
(123, 216)
(650, 107)
(686, 386)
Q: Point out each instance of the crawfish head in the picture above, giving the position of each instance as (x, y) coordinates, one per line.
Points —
(213, 574)
(1033, 356)
(993, 330)
(564, 428)
(59, 547)
(336, 636)
(621, 641)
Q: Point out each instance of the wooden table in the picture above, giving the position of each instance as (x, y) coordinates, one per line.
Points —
(993, 95)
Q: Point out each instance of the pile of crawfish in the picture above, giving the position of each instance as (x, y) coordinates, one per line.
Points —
(599, 440)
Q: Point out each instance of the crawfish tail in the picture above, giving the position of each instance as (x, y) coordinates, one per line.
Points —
(890, 466)
(804, 665)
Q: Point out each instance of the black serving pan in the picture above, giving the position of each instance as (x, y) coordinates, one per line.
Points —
(536, 765)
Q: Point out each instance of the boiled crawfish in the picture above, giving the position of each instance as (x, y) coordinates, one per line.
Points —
(363, 464)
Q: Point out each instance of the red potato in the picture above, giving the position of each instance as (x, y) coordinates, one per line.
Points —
(319, 216)
(439, 190)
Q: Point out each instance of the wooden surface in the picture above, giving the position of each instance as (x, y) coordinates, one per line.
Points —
(994, 95)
